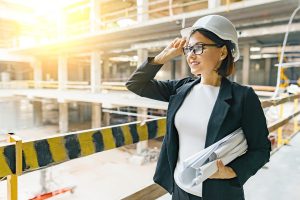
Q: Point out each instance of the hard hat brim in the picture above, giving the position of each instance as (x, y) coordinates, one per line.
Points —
(186, 32)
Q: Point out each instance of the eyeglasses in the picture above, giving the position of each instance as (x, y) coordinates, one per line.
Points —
(197, 49)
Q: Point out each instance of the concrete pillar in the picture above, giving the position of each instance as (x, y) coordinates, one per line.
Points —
(95, 72)
(95, 20)
(141, 146)
(267, 70)
(106, 119)
(246, 63)
(37, 73)
(213, 4)
(105, 70)
(63, 117)
(62, 72)
(96, 115)
(37, 113)
(142, 8)
(114, 71)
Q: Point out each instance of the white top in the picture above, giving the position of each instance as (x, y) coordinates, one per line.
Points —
(191, 122)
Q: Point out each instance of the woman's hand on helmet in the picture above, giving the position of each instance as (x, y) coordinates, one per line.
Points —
(172, 50)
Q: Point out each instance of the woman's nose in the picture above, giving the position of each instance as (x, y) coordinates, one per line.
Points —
(191, 55)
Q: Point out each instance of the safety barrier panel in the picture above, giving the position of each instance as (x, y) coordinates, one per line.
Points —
(64, 147)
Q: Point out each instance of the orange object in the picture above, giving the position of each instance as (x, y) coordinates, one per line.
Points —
(51, 194)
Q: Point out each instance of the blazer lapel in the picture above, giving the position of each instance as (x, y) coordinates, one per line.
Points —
(219, 112)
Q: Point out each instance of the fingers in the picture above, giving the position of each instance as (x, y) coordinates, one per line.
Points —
(186, 43)
(179, 42)
(217, 173)
(220, 165)
(174, 42)
(182, 42)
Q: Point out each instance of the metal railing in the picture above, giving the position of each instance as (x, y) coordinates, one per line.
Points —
(25, 84)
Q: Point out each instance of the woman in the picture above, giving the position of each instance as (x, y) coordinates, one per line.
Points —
(205, 109)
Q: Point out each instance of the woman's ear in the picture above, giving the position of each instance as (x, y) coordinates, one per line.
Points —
(224, 52)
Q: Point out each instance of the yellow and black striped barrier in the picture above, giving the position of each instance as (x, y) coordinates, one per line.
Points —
(57, 149)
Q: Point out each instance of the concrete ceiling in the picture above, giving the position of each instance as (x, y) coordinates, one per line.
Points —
(246, 15)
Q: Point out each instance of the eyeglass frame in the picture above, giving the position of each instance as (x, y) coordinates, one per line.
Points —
(203, 47)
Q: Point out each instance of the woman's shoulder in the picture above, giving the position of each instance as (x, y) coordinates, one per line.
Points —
(240, 86)
(241, 89)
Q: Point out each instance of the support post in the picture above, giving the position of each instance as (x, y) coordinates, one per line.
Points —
(12, 180)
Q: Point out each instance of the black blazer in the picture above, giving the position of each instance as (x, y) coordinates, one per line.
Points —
(236, 106)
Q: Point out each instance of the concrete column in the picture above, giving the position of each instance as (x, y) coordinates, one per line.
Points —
(267, 70)
(106, 119)
(105, 70)
(95, 72)
(114, 71)
(62, 72)
(213, 4)
(63, 117)
(141, 146)
(246, 63)
(96, 115)
(95, 20)
(37, 113)
(37, 73)
(142, 8)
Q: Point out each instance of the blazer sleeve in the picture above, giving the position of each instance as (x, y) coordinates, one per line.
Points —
(256, 132)
(142, 82)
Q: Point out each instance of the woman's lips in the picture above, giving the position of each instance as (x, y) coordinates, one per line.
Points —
(195, 63)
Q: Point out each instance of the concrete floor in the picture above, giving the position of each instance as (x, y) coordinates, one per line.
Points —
(281, 179)
(107, 175)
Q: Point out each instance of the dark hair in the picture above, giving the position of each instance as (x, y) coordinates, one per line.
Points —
(227, 66)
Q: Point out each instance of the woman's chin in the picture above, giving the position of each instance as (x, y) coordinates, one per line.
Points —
(195, 72)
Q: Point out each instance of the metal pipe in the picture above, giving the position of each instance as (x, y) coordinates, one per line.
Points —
(282, 51)
(129, 113)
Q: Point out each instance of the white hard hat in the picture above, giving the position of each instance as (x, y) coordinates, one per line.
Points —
(220, 26)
